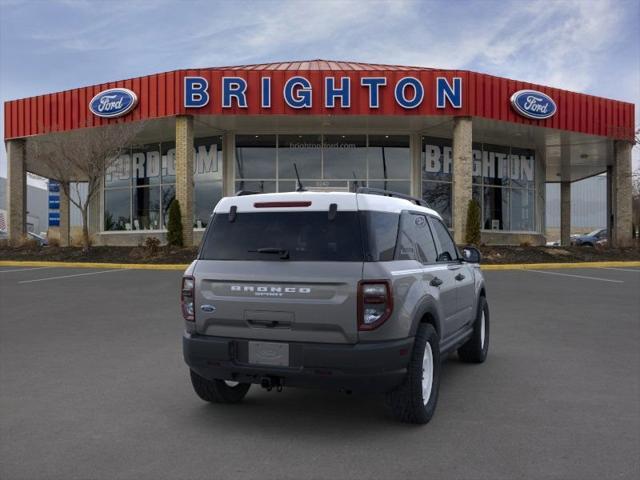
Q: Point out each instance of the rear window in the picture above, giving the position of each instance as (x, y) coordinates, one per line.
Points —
(284, 236)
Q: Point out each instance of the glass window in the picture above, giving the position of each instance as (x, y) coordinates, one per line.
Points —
(437, 163)
(260, 186)
(522, 204)
(116, 209)
(344, 156)
(438, 197)
(303, 150)
(146, 163)
(332, 185)
(447, 250)
(299, 236)
(207, 195)
(415, 241)
(168, 162)
(495, 165)
(118, 174)
(389, 156)
(256, 156)
(496, 208)
(207, 159)
(393, 185)
(381, 231)
(522, 163)
(168, 194)
(146, 208)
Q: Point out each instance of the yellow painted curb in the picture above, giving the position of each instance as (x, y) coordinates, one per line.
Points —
(130, 266)
(550, 266)
(167, 266)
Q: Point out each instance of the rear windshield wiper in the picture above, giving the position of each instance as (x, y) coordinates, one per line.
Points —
(284, 253)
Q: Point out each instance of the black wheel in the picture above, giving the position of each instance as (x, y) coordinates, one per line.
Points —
(477, 347)
(415, 400)
(218, 391)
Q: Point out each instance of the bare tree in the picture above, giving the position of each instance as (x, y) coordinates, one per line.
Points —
(82, 156)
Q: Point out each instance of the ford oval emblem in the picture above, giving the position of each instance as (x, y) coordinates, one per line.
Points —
(114, 102)
(533, 104)
(208, 308)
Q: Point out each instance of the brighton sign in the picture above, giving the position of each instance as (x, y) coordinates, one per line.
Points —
(533, 104)
(408, 92)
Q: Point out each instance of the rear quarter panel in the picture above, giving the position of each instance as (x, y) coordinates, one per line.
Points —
(408, 292)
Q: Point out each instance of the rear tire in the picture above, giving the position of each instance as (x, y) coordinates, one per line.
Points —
(218, 391)
(415, 400)
(475, 350)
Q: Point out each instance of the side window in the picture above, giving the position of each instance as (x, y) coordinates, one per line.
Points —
(414, 240)
(447, 251)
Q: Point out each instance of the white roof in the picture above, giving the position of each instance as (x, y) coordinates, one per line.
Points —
(319, 201)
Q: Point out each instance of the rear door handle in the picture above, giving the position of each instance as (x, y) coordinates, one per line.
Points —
(459, 277)
(435, 282)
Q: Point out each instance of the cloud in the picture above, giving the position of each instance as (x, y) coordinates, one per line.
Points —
(583, 45)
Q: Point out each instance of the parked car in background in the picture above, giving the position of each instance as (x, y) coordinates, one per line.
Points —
(590, 239)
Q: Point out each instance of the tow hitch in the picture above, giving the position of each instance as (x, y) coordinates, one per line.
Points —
(269, 383)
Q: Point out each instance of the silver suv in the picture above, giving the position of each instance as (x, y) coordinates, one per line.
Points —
(357, 291)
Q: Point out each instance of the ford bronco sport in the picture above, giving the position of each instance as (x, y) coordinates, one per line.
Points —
(357, 291)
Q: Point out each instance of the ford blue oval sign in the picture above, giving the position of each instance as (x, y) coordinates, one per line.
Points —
(533, 104)
(114, 102)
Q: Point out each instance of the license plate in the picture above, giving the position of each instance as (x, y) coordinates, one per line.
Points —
(269, 353)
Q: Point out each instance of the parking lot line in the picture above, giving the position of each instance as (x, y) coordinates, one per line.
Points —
(622, 269)
(23, 269)
(577, 276)
(69, 276)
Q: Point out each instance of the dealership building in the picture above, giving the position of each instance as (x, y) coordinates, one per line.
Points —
(447, 136)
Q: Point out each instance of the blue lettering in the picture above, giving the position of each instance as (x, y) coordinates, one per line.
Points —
(400, 92)
(374, 84)
(297, 92)
(196, 93)
(445, 92)
(331, 92)
(234, 87)
(266, 92)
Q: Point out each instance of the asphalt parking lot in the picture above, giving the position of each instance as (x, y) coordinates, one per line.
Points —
(93, 386)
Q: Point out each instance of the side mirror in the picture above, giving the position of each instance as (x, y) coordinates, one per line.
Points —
(471, 255)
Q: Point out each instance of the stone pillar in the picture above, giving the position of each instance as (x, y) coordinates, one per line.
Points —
(16, 191)
(622, 193)
(228, 164)
(462, 175)
(565, 213)
(415, 145)
(610, 203)
(184, 174)
(65, 218)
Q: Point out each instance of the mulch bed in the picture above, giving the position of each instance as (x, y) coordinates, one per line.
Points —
(171, 255)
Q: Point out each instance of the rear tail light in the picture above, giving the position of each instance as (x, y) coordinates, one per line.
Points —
(187, 298)
(375, 303)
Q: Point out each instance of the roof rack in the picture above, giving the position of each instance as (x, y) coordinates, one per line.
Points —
(389, 193)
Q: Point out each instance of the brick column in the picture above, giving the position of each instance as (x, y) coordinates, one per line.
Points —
(16, 191)
(228, 164)
(65, 219)
(416, 164)
(184, 174)
(621, 184)
(462, 175)
(565, 213)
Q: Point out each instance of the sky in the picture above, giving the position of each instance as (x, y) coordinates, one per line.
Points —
(581, 45)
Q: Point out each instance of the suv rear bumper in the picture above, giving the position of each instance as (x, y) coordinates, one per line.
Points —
(366, 367)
